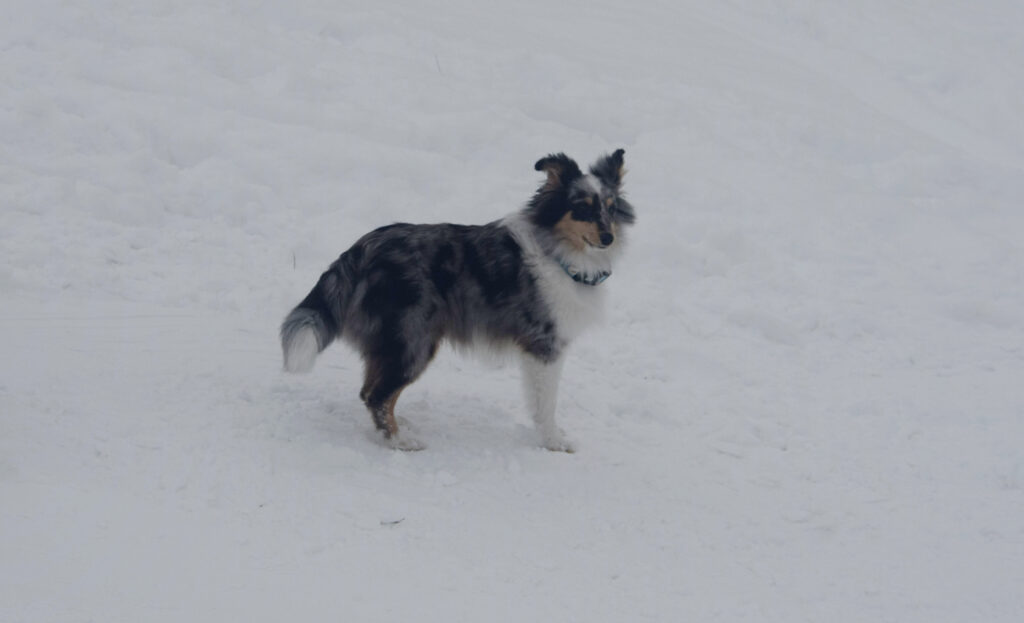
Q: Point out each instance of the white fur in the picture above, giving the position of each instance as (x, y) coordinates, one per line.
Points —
(541, 383)
(301, 351)
(589, 182)
(483, 349)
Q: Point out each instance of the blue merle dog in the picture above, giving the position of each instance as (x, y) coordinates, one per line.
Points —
(529, 282)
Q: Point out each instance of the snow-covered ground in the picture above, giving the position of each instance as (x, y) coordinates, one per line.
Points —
(807, 402)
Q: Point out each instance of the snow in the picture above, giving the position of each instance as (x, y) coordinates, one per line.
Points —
(805, 404)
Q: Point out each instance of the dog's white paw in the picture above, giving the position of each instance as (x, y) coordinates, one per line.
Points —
(405, 443)
(558, 443)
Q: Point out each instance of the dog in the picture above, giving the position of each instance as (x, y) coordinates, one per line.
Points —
(530, 282)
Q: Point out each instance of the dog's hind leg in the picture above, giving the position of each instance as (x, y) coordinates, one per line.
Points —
(384, 418)
(380, 393)
(386, 377)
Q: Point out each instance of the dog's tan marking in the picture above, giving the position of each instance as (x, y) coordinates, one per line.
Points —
(577, 233)
(389, 415)
(553, 180)
(554, 170)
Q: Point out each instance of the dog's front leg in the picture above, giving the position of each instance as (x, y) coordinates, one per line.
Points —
(541, 380)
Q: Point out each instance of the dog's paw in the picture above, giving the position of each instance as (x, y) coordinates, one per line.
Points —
(558, 443)
(405, 443)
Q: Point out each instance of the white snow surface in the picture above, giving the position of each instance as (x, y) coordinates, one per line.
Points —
(806, 402)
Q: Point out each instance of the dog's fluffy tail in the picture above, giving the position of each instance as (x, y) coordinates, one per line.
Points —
(303, 335)
(317, 320)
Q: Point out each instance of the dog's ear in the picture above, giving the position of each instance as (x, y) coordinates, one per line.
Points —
(561, 169)
(610, 169)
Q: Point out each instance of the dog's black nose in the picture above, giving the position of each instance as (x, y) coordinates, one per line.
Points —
(607, 238)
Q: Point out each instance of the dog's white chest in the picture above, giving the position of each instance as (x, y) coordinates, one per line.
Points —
(574, 306)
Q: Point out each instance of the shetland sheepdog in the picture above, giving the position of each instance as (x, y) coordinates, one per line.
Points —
(529, 282)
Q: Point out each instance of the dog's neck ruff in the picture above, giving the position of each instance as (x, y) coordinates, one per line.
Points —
(580, 277)
(545, 248)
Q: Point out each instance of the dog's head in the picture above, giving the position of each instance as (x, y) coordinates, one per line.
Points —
(585, 211)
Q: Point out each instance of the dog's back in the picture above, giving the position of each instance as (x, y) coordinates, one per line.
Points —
(400, 289)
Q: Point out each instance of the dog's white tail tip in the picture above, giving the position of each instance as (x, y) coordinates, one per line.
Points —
(300, 350)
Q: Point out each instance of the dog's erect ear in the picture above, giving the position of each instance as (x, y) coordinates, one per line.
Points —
(561, 169)
(610, 169)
